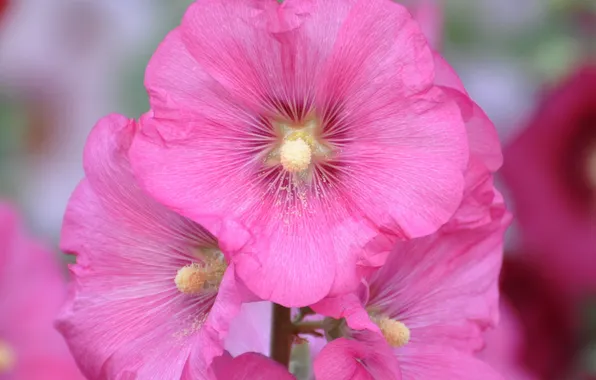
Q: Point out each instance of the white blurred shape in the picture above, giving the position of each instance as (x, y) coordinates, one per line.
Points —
(68, 54)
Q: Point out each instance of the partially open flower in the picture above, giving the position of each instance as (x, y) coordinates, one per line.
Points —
(430, 302)
(153, 293)
(312, 126)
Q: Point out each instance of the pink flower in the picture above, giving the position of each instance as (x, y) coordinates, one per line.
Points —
(551, 172)
(249, 366)
(431, 302)
(308, 126)
(32, 290)
(153, 293)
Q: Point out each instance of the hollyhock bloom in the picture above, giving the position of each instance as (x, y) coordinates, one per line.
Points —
(32, 289)
(153, 292)
(551, 171)
(309, 126)
(431, 301)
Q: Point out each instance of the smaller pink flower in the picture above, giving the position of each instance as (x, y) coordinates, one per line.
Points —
(249, 366)
(32, 289)
(431, 302)
(153, 293)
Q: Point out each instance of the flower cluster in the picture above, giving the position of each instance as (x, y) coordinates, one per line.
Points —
(316, 154)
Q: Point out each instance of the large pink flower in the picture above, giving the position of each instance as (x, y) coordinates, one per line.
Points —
(431, 301)
(32, 289)
(308, 126)
(550, 169)
(153, 293)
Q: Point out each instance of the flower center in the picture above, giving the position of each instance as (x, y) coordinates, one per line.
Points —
(295, 155)
(395, 332)
(299, 145)
(197, 278)
(7, 357)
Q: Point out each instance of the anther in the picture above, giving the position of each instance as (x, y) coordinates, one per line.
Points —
(7, 357)
(396, 333)
(197, 278)
(295, 155)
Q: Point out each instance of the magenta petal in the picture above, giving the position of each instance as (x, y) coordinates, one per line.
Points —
(367, 359)
(249, 366)
(126, 316)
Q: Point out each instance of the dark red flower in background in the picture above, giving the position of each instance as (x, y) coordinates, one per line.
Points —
(551, 172)
(547, 317)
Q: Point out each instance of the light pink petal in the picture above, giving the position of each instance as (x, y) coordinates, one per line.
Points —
(445, 363)
(249, 366)
(347, 359)
(32, 290)
(444, 287)
(126, 316)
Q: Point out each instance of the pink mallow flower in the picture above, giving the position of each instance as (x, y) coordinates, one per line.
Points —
(153, 292)
(32, 289)
(431, 302)
(307, 128)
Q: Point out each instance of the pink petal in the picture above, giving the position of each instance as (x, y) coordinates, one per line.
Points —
(348, 306)
(249, 366)
(367, 359)
(126, 316)
(32, 290)
(445, 363)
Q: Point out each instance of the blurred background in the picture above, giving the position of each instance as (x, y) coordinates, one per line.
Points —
(528, 63)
